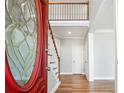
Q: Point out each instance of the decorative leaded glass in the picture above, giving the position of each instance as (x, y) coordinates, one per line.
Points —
(21, 38)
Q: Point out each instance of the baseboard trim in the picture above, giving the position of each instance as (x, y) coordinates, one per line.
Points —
(56, 87)
(83, 73)
(71, 73)
(66, 73)
(104, 78)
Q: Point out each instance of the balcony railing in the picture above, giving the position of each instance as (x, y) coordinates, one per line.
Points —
(68, 11)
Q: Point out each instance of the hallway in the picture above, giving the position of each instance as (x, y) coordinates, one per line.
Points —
(79, 84)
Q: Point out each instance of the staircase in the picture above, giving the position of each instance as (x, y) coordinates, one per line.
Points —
(53, 63)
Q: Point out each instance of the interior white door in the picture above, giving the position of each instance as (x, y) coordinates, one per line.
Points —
(77, 56)
(85, 58)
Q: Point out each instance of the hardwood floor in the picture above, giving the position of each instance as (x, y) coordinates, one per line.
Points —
(79, 84)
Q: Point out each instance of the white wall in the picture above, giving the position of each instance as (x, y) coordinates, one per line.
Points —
(104, 55)
(66, 54)
(101, 14)
(105, 16)
(102, 26)
(103, 61)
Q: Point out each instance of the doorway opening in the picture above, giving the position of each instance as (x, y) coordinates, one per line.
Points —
(84, 35)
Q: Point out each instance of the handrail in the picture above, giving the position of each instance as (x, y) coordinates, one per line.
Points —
(51, 33)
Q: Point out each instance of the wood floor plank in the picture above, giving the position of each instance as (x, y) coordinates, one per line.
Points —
(79, 84)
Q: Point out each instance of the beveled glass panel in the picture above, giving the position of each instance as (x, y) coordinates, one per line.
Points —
(21, 38)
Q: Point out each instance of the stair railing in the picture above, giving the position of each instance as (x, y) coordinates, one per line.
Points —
(56, 50)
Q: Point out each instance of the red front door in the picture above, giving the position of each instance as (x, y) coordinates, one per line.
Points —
(26, 41)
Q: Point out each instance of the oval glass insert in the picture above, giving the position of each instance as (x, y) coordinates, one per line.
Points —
(21, 38)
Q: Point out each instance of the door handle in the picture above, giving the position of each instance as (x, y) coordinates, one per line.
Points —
(48, 68)
(73, 61)
(86, 61)
(46, 50)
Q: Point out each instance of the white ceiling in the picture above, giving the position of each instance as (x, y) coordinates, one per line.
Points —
(76, 32)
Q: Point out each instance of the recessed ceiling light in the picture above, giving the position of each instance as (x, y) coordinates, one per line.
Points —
(69, 33)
